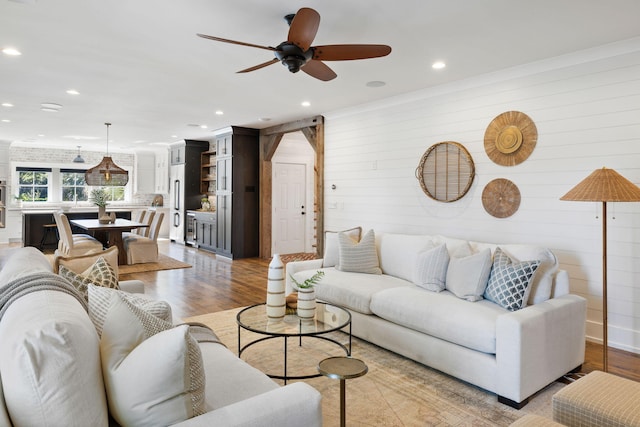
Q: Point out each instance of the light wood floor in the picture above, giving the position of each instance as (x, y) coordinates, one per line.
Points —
(216, 284)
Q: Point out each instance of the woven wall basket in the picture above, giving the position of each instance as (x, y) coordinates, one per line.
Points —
(501, 198)
(510, 138)
(446, 171)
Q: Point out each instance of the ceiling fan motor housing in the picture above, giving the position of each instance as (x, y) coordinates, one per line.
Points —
(292, 56)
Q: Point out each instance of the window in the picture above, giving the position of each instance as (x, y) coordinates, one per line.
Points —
(116, 194)
(73, 186)
(33, 184)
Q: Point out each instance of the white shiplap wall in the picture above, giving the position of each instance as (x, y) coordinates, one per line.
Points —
(587, 111)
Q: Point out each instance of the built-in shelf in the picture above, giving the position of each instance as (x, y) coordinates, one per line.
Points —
(208, 172)
(3, 204)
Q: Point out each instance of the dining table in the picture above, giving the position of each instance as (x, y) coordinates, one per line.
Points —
(109, 234)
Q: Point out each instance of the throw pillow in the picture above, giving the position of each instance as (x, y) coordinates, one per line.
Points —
(100, 274)
(510, 283)
(331, 247)
(358, 257)
(431, 268)
(467, 277)
(153, 372)
(100, 300)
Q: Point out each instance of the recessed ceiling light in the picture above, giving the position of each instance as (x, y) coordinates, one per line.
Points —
(174, 136)
(375, 83)
(203, 126)
(438, 65)
(73, 92)
(6, 121)
(11, 51)
(7, 104)
(264, 119)
(219, 113)
(305, 104)
(41, 135)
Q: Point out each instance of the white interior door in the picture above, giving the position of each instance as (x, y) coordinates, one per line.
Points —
(289, 207)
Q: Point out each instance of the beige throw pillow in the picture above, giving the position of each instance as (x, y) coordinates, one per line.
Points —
(358, 257)
(153, 372)
(100, 274)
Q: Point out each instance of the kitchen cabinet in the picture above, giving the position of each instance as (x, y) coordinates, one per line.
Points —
(205, 230)
(208, 169)
(162, 172)
(237, 182)
(145, 172)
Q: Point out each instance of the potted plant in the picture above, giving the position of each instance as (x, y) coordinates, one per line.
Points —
(100, 197)
(307, 295)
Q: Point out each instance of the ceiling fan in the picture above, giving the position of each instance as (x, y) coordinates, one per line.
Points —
(297, 53)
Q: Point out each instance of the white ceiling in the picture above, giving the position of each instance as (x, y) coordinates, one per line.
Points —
(139, 64)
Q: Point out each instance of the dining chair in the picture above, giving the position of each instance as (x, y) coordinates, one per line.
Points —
(141, 249)
(73, 244)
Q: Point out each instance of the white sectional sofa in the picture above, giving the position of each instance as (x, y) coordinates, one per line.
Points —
(52, 366)
(511, 352)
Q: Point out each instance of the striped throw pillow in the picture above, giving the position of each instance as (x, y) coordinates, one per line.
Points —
(358, 257)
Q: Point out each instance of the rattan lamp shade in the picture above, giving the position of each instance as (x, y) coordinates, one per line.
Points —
(106, 173)
(604, 185)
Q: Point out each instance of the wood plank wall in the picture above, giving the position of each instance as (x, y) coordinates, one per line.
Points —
(586, 107)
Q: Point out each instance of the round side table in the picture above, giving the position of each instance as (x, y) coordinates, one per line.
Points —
(342, 368)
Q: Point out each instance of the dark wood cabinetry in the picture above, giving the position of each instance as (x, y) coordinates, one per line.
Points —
(208, 172)
(205, 230)
(237, 192)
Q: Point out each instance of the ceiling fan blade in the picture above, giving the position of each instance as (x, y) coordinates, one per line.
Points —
(304, 27)
(319, 70)
(257, 67)
(346, 52)
(218, 39)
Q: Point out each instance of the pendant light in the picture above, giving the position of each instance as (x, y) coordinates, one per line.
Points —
(78, 158)
(106, 173)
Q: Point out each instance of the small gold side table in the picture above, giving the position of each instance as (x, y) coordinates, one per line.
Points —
(342, 368)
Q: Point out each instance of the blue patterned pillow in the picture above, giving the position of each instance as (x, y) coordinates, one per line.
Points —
(510, 283)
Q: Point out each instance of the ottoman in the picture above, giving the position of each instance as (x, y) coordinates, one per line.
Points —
(531, 420)
(598, 399)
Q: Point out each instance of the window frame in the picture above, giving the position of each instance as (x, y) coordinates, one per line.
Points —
(33, 185)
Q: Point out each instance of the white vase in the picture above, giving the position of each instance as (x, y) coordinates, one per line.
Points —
(276, 301)
(306, 303)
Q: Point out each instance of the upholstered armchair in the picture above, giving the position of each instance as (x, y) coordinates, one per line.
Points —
(73, 244)
(141, 249)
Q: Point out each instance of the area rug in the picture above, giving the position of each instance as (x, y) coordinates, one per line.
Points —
(164, 263)
(395, 392)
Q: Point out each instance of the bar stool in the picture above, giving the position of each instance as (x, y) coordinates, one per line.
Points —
(49, 229)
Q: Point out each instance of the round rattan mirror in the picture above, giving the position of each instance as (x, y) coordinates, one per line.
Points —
(446, 171)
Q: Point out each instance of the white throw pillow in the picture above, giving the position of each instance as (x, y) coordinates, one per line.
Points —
(331, 247)
(431, 268)
(153, 372)
(467, 277)
(100, 300)
(510, 283)
(358, 257)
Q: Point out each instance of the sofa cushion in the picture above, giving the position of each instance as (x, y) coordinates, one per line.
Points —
(358, 257)
(467, 277)
(510, 283)
(399, 253)
(153, 372)
(24, 261)
(441, 315)
(331, 247)
(431, 268)
(350, 290)
(50, 358)
(100, 300)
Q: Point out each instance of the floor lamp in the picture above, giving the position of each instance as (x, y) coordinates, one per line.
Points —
(604, 185)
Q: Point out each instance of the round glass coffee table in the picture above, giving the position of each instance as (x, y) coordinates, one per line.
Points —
(328, 318)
